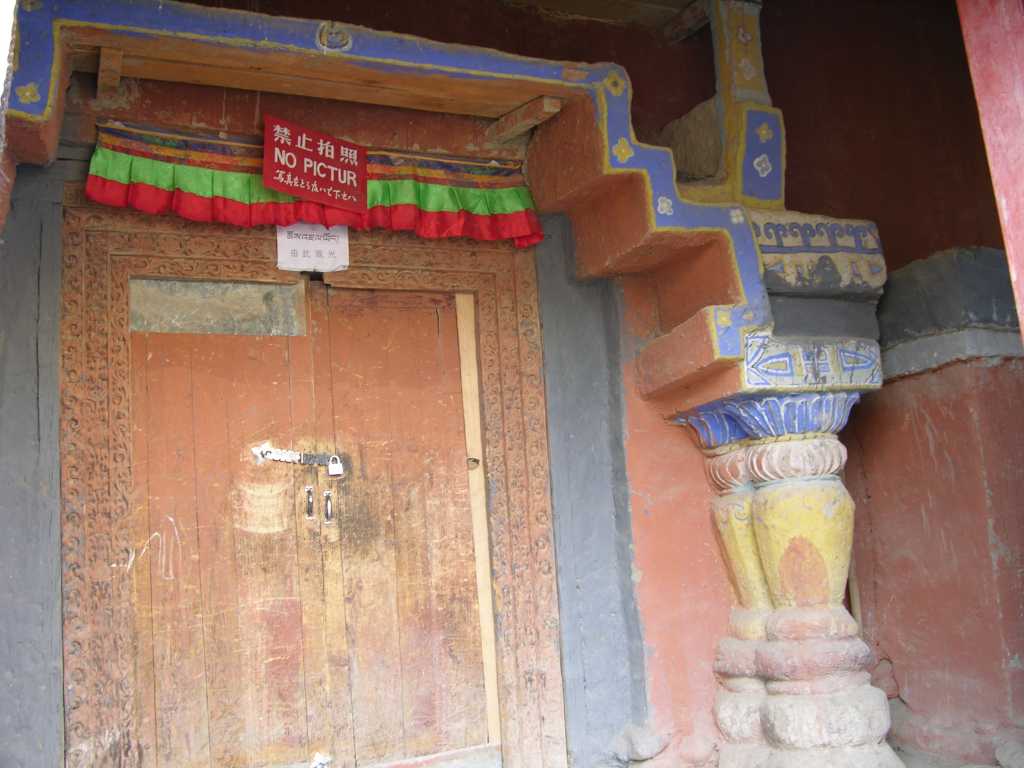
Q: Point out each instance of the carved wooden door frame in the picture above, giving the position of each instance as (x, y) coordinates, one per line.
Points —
(102, 249)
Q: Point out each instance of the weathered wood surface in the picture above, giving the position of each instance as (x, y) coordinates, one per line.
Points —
(407, 530)
(473, 757)
(170, 554)
(465, 310)
(110, 706)
(108, 72)
(221, 549)
(326, 77)
(523, 119)
(339, 722)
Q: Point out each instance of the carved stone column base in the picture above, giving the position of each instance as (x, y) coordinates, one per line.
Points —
(759, 756)
(743, 756)
(853, 717)
(879, 756)
(738, 713)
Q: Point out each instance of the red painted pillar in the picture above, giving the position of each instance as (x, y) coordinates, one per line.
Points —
(994, 37)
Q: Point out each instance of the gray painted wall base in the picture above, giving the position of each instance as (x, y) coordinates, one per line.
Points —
(930, 352)
(955, 305)
(602, 650)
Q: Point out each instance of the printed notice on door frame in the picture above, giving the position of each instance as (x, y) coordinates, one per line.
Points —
(312, 248)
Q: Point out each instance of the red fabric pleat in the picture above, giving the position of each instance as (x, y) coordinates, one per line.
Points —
(522, 228)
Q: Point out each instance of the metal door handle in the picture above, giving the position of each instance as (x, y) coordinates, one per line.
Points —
(309, 502)
(328, 507)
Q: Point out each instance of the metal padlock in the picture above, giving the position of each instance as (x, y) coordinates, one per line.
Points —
(334, 467)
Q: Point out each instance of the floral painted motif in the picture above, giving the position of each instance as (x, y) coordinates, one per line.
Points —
(615, 84)
(762, 165)
(622, 150)
(765, 133)
(664, 206)
(736, 216)
(28, 94)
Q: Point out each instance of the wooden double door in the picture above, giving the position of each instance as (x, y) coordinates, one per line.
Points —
(293, 617)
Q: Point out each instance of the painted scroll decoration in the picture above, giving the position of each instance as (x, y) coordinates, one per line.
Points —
(217, 178)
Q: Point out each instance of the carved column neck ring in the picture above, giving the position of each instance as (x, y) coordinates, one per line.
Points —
(726, 469)
(817, 457)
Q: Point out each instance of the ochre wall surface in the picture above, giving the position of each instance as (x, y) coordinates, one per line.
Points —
(682, 589)
(936, 471)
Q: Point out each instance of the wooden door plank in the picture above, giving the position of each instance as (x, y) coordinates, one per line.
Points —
(178, 649)
(407, 526)
(465, 307)
(460, 667)
(263, 499)
(316, 646)
(137, 569)
(334, 625)
(221, 616)
(362, 427)
(488, 756)
(365, 519)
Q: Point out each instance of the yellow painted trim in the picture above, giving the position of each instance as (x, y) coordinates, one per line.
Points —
(465, 317)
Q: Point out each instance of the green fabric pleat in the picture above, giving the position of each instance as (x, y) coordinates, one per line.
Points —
(129, 169)
(436, 198)
(248, 188)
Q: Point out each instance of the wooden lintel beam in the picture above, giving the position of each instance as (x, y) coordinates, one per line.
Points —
(292, 72)
(108, 72)
(690, 20)
(522, 119)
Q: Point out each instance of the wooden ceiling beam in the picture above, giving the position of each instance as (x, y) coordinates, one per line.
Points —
(523, 119)
(330, 77)
(688, 22)
(108, 71)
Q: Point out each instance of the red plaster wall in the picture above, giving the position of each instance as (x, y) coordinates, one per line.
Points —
(994, 35)
(682, 588)
(881, 121)
(937, 470)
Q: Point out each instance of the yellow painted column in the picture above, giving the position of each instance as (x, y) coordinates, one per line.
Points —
(795, 691)
(741, 692)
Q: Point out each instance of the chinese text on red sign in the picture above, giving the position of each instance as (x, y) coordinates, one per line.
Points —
(313, 166)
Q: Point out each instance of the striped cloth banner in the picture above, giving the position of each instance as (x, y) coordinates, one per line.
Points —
(213, 178)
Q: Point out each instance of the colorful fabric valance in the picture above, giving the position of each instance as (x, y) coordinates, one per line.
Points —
(216, 179)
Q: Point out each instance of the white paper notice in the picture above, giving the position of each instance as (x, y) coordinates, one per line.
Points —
(312, 248)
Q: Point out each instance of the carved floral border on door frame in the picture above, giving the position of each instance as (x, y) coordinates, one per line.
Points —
(105, 694)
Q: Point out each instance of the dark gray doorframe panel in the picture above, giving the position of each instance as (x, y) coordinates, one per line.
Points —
(31, 695)
(602, 649)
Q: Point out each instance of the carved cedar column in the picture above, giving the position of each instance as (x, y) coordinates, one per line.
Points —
(795, 690)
